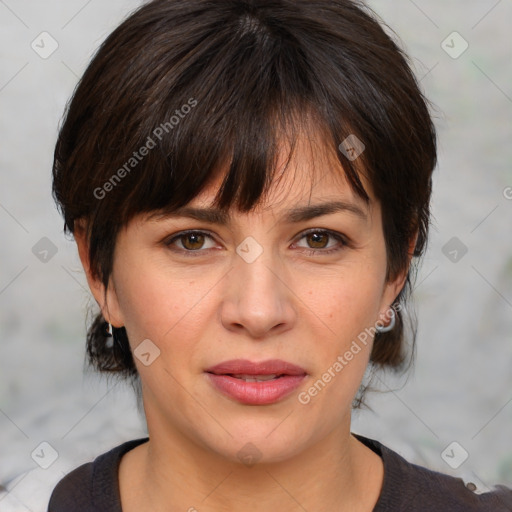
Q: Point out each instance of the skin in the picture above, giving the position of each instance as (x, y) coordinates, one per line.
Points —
(287, 304)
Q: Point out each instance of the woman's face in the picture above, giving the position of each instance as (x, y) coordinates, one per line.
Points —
(264, 285)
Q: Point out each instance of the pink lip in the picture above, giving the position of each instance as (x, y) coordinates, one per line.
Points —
(256, 393)
(268, 367)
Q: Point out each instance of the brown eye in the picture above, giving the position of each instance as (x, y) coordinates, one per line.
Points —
(192, 241)
(318, 242)
(318, 239)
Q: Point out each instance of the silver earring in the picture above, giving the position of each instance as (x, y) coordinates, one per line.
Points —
(390, 326)
(110, 330)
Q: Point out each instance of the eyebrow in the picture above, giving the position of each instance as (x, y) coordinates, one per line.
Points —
(291, 216)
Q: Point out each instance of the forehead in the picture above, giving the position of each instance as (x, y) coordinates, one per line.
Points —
(304, 174)
(305, 181)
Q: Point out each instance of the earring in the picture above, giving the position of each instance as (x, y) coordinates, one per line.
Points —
(390, 326)
(110, 329)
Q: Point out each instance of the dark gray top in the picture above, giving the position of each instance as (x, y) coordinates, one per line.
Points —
(94, 487)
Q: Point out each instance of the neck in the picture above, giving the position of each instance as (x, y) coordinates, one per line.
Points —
(336, 473)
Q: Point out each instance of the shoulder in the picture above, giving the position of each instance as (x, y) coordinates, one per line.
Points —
(92, 485)
(75, 489)
(413, 488)
(438, 491)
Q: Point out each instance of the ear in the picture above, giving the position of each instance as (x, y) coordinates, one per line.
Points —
(393, 288)
(108, 302)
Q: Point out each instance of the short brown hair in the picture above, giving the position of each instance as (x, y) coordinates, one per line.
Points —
(219, 82)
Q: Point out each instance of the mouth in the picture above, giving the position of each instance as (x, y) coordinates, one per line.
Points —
(251, 383)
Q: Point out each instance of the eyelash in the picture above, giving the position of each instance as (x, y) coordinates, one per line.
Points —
(309, 252)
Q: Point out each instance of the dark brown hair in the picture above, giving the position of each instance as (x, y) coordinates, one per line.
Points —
(200, 83)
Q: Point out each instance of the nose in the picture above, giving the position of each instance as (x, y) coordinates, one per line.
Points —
(258, 300)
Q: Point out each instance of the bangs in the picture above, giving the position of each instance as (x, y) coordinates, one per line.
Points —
(246, 151)
(233, 113)
(224, 96)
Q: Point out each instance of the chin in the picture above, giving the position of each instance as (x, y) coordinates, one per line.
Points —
(254, 441)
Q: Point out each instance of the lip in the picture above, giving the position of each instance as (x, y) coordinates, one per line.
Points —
(256, 393)
(268, 367)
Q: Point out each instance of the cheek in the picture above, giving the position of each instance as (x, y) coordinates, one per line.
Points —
(161, 304)
(348, 301)
(342, 340)
(347, 305)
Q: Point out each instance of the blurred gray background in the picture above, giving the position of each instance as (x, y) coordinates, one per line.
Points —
(460, 390)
